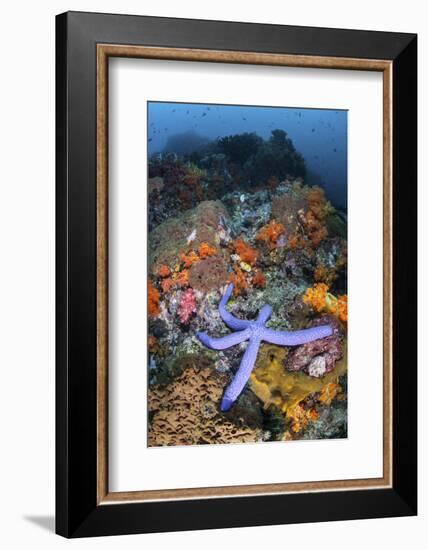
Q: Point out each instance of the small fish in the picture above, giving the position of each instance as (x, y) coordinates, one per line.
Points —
(150, 139)
(204, 114)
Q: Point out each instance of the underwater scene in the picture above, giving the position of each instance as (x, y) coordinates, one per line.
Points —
(247, 274)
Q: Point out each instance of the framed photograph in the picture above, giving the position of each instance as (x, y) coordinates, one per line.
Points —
(236, 274)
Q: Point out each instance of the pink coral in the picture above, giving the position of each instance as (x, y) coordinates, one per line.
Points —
(187, 306)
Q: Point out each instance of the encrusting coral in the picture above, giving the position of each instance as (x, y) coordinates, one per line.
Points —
(185, 412)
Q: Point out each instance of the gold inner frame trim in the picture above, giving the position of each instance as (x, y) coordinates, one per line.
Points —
(104, 51)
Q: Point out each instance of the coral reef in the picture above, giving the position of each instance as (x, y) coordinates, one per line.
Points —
(239, 210)
(255, 332)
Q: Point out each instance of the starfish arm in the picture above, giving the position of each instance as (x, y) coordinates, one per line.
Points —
(264, 314)
(296, 338)
(224, 342)
(241, 377)
(231, 321)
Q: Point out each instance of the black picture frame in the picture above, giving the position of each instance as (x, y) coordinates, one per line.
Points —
(78, 513)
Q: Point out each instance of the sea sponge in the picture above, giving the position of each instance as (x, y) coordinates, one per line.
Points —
(186, 412)
(246, 252)
(153, 297)
(208, 274)
(277, 387)
(318, 357)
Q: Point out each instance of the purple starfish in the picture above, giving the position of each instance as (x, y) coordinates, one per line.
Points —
(255, 332)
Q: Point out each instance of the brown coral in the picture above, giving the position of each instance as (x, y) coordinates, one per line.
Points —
(325, 274)
(186, 412)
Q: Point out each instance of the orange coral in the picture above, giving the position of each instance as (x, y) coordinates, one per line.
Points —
(270, 233)
(189, 259)
(300, 417)
(322, 301)
(314, 219)
(167, 285)
(239, 281)
(329, 392)
(342, 303)
(164, 271)
(205, 250)
(318, 204)
(182, 278)
(259, 280)
(246, 253)
(316, 296)
(295, 241)
(153, 298)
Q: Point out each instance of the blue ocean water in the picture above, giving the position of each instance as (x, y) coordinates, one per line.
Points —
(320, 135)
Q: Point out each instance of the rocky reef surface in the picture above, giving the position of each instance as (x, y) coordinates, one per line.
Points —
(281, 243)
